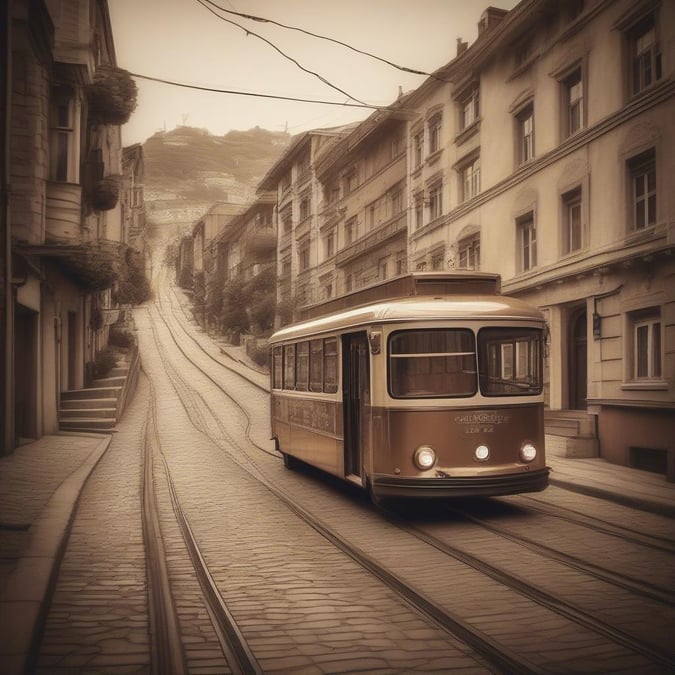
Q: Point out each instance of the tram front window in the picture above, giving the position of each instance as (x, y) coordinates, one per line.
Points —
(432, 363)
(510, 361)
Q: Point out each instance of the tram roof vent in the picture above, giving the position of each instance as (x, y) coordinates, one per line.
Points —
(408, 285)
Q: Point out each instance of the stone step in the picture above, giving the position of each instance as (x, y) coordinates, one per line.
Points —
(90, 392)
(81, 403)
(112, 381)
(75, 413)
(87, 424)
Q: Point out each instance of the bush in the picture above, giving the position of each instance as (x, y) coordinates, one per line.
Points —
(120, 338)
(260, 355)
(104, 362)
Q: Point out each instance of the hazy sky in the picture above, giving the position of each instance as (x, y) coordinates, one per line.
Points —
(182, 41)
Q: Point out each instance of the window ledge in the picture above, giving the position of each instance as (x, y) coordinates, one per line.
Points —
(647, 385)
(433, 158)
(466, 133)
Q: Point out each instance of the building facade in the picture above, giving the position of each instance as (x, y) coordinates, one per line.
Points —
(63, 224)
(543, 152)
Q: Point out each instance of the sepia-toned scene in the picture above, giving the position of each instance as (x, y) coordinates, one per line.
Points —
(337, 337)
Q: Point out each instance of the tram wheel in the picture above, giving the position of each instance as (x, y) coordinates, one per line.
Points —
(289, 461)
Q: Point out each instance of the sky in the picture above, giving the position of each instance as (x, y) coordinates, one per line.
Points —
(182, 41)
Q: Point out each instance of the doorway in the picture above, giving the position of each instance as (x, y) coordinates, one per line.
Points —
(25, 370)
(578, 370)
(355, 399)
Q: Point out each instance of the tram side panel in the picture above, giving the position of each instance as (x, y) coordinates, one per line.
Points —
(310, 429)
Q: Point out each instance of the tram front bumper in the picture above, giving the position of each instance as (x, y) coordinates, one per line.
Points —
(460, 486)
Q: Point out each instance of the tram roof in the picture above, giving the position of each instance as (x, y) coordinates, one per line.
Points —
(477, 308)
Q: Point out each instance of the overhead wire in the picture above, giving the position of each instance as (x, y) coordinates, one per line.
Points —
(258, 94)
(262, 19)
(204, 4)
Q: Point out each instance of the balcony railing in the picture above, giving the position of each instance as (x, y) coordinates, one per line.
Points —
(372, 239)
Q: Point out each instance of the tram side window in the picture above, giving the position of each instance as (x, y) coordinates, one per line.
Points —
(316, 365)
(510, 361)
(330, 369)
(432, 363)
(277, 368)
(289, 366)
(301, 366)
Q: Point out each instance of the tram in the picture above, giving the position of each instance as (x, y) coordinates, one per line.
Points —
(430, 385)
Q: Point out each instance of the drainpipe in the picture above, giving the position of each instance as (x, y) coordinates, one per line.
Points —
(6, 301)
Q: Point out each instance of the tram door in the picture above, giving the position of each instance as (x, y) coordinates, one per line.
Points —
(355, 399)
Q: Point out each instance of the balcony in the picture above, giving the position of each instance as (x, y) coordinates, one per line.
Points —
(373, 239)
(63, 217)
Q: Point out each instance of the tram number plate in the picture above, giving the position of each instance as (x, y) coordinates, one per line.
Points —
(480, 429)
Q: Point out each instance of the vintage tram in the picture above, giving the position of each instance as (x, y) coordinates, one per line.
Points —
(426, 385)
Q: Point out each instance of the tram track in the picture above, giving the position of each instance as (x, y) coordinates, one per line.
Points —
(554, 602)
(637, 586)
(492, 650)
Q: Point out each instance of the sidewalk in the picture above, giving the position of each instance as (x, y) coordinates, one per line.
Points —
(40, 484)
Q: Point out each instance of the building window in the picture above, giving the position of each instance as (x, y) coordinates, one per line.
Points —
(305, 208)
(329, 245)
(437, 261)
(419, 210)
(470, 179)
(469, 108)
(435, 134)
(63, 138)
(469, 253)
(647, 351)
(572, 226)
(573, 93)
(435, 201)
(642, 170)
(286, 221)
(525, 132)
(396, 201)
(350, 181)
(350, 231)
(645, 55)
(286, 181)
(382, 268)
(527, 241)
(397, 146)
(401, 266)
(418, 149)
(303, 257)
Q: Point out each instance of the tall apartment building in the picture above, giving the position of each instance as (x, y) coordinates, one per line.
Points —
(544, 152)
(62, 228)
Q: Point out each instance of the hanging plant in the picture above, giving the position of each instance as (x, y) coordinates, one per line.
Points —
(105, 193)
(112, 95)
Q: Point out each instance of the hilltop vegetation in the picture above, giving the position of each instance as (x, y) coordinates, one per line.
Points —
(188, 169)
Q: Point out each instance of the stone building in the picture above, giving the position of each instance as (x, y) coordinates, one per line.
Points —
(542, 152)
(62, 229)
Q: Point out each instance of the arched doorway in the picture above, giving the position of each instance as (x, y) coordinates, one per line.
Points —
(578, 361)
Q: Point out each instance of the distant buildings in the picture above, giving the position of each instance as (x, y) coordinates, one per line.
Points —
(544, 152)
(72, 201)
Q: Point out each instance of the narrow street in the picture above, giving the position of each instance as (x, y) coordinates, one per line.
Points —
(194, 550)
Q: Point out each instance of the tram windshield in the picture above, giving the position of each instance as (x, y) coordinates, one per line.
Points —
(432, 363)
(510, 361)
(441, 363)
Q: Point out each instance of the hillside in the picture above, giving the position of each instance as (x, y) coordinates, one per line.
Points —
(188, 169)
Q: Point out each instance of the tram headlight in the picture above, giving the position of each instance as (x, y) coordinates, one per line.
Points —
(528, 452)
(424, 457)
(481, 453)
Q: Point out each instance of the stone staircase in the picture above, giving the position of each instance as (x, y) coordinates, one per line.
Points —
(98, 408)
(570, 433)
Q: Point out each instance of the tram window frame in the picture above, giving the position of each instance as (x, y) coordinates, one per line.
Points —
(302, 366)
(277, 368)
(289, 366)
(330, 365)
(316, 365)
(441, 364)
(511, 358)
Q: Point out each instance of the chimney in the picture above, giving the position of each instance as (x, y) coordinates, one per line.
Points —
(461, 46)
(490, 18)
